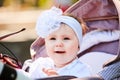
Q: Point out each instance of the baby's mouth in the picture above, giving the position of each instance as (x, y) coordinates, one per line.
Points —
(59, 52)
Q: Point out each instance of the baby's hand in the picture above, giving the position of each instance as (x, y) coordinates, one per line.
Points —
(50, 72)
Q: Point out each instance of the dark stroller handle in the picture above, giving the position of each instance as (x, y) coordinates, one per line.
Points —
(67, 77)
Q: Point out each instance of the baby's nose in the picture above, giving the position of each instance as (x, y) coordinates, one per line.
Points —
(59, 44)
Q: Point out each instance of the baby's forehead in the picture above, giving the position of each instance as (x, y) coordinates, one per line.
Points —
(63, 30)
(65, 27)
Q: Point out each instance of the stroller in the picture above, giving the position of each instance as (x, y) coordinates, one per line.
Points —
(94, 14)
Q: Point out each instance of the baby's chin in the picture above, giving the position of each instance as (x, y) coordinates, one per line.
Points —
(63, 62)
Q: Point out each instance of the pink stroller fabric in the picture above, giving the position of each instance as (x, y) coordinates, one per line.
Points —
(98, 14)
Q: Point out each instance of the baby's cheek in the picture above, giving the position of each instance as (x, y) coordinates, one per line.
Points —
(73, 49)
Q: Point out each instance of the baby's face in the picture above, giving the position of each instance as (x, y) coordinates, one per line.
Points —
(62, 45)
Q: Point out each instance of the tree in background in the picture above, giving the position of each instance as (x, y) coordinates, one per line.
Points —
(26, 4)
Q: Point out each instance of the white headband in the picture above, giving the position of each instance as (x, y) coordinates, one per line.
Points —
(50, 20)
(74, 24)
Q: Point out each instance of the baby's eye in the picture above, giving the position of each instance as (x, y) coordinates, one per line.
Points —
(66, 38)
(52, 38)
